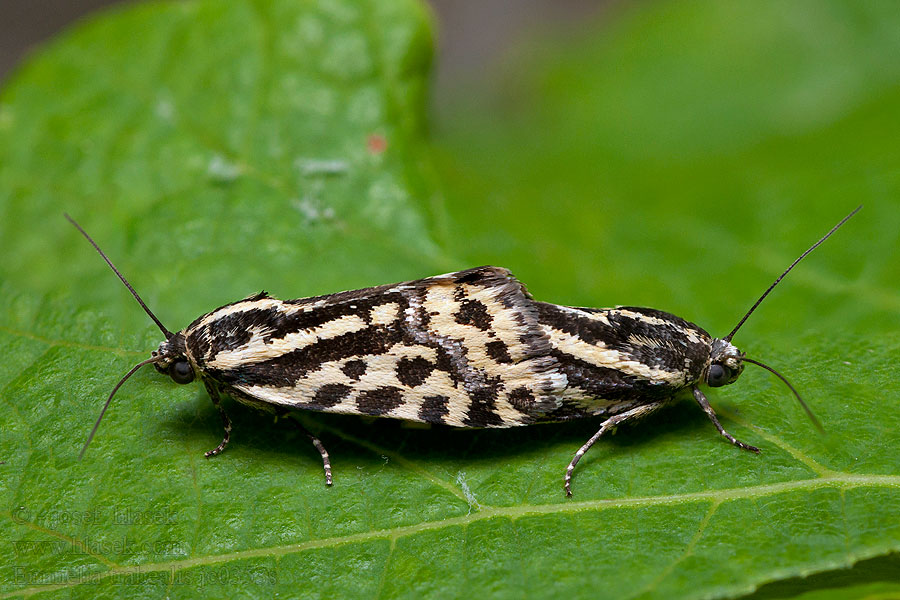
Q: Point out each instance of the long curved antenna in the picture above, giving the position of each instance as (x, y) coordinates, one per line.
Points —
(113, 393)
(809, 412)
(728, 337)
(162, 328)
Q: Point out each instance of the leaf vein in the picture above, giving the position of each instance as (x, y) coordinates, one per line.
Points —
(839, 481)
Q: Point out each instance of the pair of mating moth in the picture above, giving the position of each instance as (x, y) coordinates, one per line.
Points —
(465, 349)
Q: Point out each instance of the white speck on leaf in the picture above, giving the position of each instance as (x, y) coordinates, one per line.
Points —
(222, 170)
(318, 166)
(312, 210)
(165, 109)
(366, 107)
(384, 199)
(464, 486)
(310, 30)
(348, 56)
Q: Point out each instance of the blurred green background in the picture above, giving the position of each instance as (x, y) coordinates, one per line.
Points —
(676, 155)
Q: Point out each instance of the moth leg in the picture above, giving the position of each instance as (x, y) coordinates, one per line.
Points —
(611, 423)
(704, 404)
(226, 422)
(326, 461)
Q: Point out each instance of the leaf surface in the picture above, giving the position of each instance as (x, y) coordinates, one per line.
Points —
(214, 150)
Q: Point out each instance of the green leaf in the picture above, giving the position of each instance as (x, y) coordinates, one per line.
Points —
(678, 158)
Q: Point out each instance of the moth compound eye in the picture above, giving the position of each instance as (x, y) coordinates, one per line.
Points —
(181, 372)
(717, 377)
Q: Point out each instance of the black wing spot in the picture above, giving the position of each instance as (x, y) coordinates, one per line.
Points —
(380, 400)
(413, 372)
(522, 400)
(434, 408)
(498, 351)
(474, 313)
(483, 402)
(354, 369)
(330, 394)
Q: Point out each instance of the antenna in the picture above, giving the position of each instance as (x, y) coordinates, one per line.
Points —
(162, 328)
(809, 411)
(728, 337)
(111, 394)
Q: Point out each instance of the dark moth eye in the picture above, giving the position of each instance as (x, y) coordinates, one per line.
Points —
(718, 376)
(181, 372)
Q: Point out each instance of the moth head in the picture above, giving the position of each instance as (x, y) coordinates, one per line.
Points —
(726, 364)
(171, 359)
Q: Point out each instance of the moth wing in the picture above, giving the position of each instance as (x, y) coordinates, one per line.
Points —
(463, 349)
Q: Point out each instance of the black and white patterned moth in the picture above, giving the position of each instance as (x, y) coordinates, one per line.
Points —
(465, 349)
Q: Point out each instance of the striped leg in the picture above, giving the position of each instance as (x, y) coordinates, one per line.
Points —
(326, 461)
(704, 404)
(635, 413)
(226, 422)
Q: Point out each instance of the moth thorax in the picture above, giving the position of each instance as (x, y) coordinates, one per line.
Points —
(726, 363)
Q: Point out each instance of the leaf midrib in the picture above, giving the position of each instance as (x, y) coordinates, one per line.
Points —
(836, 480)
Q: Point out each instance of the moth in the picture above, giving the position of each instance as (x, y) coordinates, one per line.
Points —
(464, 349)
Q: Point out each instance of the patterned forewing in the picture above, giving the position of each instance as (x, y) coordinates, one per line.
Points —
(615, 359)
(463, 349)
